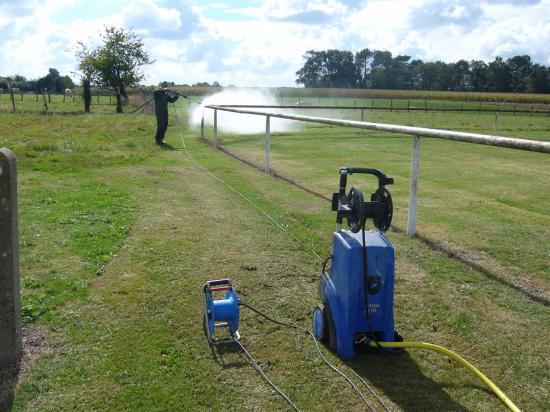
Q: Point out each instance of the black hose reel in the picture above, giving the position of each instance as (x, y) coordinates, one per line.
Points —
(353, 207)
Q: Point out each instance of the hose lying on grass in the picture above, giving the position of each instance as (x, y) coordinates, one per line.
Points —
(456, 357)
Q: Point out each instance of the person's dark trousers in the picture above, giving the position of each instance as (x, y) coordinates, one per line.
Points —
(162, 125)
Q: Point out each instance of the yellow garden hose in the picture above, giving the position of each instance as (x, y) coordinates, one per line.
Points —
(456, 357)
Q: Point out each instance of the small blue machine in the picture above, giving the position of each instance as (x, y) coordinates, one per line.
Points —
(357, 291)
(222, 312)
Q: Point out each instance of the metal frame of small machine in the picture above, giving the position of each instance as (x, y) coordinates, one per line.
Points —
(221, 313)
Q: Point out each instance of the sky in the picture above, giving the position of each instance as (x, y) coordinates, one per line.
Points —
(262, 42)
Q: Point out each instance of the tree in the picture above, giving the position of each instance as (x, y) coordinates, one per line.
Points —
(378, 69)
(427, 76)
(310, 74)
(499, 76)
(478, 75)
(330, 68)
(461, 72)
(400, 72)
(363, 61)
(539, 81)
(380, 76)
(520, 68)
(50, 81)
(339, 69)
(115, 64)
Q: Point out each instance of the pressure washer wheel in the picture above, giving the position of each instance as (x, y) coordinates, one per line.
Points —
(323, 326)
(320, 327)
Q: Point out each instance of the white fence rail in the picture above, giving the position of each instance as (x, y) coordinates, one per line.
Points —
(416, 132)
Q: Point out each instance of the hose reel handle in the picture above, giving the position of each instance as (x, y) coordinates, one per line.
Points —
(383, 180)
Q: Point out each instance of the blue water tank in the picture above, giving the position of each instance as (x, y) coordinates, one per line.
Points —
(343, 290)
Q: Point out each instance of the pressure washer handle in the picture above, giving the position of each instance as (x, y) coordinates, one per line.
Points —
(218, 285)
(383, 180)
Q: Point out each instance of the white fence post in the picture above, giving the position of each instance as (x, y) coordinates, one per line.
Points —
(267, 143)
(202, 125)
(413, 193)
(215, 128)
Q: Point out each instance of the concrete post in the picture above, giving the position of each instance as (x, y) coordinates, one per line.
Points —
(10, 305)
(415, 166)
(267, 143)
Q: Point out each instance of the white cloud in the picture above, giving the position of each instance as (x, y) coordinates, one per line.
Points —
(304, 11)
(262, 43)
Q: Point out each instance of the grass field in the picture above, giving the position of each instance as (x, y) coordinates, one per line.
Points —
(119, 235)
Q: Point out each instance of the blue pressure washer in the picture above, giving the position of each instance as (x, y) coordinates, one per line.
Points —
(357, 291)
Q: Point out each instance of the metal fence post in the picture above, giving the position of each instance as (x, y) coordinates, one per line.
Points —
(267, 143)
(215, 128)
(10, 305)
(413, 192)
(362, 119)
(202, 125)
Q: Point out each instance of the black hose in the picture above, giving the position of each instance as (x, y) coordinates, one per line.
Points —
(263, 375)
(334, 368)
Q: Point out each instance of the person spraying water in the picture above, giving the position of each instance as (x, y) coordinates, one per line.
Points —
(162, 97)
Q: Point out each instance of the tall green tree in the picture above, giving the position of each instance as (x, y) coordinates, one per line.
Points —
(499, 78)
(478, 75)
(461, 75)
(311, 72)
(520, 68)
(329, 68)
(539, 81)
(339, 69)
(115, 64)
(363, 65)
(380, 76)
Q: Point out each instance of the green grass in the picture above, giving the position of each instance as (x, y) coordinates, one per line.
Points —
(118, 237)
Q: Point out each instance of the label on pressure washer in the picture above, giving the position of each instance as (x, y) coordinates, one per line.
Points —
(373, 307)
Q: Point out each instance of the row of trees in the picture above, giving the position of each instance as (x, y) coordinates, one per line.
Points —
(377, 69)
(52, 82)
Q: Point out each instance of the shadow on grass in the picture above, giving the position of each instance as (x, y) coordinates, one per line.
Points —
(400, 379)
(8, 382)
(166, 146)
(221, 352)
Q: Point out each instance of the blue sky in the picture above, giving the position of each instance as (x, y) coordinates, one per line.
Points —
(261, 42)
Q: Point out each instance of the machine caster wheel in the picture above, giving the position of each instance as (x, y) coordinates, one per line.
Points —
(320, 324)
